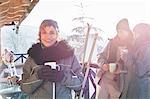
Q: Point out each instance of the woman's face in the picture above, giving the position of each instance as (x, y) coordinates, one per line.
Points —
(48, 36)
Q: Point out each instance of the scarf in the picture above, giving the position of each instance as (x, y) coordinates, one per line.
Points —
(60, 50)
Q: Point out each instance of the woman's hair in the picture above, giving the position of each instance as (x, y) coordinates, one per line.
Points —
(143, 32)
(48, 22)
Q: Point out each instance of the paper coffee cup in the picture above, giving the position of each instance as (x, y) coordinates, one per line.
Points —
(112, 67)
(52, 64)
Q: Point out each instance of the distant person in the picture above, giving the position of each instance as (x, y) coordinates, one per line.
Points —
(8, 68)
(38, 77)
(8, 75)
(142, 56)
(111, 63)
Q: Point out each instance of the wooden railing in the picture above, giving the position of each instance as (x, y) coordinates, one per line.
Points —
(22, 57)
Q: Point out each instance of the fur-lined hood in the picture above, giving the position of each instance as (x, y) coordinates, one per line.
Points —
(59, 50)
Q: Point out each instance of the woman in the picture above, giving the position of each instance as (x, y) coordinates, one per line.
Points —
(142, 56)
(37, 78)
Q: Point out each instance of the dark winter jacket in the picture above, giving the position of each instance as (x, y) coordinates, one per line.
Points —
(39, 89)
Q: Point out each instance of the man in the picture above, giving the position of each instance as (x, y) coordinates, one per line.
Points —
(111, 82)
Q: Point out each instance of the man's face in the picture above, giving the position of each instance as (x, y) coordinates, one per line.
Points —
(126, 37)
(123, 35)
(48, 36)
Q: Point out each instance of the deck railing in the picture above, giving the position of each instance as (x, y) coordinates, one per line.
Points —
(21, 57)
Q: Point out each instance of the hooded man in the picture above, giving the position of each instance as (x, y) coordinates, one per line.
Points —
(111, 82)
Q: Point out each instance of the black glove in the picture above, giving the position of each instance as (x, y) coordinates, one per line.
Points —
(59, 75)
(45, 73)
(48, 74)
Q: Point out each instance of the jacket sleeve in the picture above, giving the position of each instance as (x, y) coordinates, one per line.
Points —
(102, 59)
(143, 63)
(30, 81)
(73, 77)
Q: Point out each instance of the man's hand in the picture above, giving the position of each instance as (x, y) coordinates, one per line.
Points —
(105, 67)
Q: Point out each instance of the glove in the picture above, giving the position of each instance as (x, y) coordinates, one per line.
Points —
(48, 74)
(45, 73)
(59, 75)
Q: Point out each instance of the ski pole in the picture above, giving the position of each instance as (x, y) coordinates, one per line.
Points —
(53, 66)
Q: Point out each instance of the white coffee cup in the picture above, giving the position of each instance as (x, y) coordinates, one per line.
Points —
(112, 67)
(52, 64)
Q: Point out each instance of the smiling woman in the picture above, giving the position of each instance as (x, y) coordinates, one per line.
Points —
(38, 78)
(48, 32)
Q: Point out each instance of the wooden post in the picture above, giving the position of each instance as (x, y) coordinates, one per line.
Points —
(0, 48)
(88, 65)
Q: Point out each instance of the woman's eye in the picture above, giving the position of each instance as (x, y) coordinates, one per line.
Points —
(43, 32)
(51, 33)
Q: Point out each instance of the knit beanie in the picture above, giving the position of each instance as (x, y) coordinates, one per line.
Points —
(123, 25)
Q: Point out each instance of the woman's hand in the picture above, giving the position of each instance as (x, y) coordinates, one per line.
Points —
(48, 74)
(14, 79)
